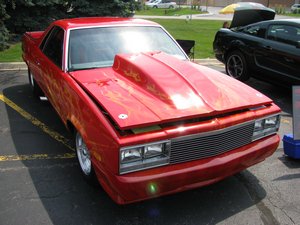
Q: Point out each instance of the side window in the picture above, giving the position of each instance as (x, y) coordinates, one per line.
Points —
(52, 46)
(255, 31)
(284, 33)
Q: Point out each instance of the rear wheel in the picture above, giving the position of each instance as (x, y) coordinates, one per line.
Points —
(84, 159)
(236, 66)
(37, 91)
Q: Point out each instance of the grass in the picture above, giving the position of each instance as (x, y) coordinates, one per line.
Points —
(168, 12)
(13, 54)
(202, 31)
(292, 14)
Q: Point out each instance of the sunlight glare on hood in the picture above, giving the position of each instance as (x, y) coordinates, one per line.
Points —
(185, 102)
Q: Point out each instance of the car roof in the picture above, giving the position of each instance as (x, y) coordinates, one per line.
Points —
(101, 21)
(289, 20)
(279, 21)
(284, 21)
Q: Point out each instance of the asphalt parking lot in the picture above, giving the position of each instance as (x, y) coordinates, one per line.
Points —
(40, 182)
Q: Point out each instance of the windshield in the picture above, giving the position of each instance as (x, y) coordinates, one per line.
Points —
(97, 47)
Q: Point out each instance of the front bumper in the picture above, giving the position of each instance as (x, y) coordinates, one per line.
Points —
(142, 185)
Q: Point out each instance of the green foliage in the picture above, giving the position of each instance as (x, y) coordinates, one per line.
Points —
(279, 9)
(101, 8)
(296, 11)
(13, 54)
(29, 15)
(4, 34)
(19, 16)
(202, 31)
(296, 15)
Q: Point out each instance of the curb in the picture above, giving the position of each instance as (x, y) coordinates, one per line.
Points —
(207, 62)
(13, 66)
(22, 66)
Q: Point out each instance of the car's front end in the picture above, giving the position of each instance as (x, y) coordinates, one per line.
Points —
(186, 156)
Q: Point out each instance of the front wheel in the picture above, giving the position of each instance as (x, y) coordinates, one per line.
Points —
(84, 158)
(236, 66)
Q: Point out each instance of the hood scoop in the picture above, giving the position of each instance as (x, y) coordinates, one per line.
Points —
(154, 73)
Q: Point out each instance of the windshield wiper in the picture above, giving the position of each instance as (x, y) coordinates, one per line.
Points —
(87, 68)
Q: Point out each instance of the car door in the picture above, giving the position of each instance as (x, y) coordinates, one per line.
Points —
(51, 67)
(162, 4)
(280, 53)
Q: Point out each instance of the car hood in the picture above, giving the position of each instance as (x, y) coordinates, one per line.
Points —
(244, 17)
(153, 88)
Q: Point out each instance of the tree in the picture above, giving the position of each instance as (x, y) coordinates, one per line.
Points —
(29, 15)
(4, 34)
(79, 8)
(19, 16)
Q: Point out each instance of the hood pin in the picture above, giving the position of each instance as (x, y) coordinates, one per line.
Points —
(123, 116)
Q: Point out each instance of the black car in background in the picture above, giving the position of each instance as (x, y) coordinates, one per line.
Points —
(267, 50)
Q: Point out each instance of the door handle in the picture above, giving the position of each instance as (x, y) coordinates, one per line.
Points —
(268, 47)
(288, 59)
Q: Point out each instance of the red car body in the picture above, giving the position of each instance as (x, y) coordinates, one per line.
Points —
(149, 97)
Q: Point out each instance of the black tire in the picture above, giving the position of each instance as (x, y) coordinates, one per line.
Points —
(37, 91)
(171, 7)
(84, 159)
(155, 7)
(236, 66)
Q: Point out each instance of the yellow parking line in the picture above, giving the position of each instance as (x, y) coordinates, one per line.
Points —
(36, 156)
(58, 137)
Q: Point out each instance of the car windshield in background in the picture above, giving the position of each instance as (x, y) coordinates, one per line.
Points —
(97, 47)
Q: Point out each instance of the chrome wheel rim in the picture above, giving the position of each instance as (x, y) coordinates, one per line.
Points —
(83, 155)
(235, 67)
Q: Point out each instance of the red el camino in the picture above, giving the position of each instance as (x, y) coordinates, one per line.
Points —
(147, 122)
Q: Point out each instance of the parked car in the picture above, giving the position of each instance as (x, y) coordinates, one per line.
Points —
(164, 4)
(148, 3)
(146, 121)
(295, 8)
(268, 50)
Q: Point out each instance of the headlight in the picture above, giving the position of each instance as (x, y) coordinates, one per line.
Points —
(146, 156)
(265, 127)
(131, 155)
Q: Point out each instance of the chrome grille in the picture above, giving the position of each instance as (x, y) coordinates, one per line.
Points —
(204, 145)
